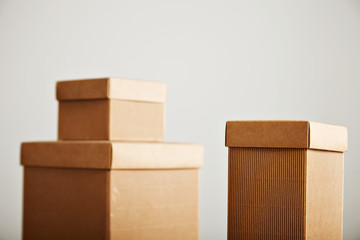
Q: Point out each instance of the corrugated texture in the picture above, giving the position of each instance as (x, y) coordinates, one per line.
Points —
(324, 197)
(157, 204)
(67, 204)
(266, 193)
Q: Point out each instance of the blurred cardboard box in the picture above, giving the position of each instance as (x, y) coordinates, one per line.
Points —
(111, 190)
(111, 109)
(136, 188)
(285, 180)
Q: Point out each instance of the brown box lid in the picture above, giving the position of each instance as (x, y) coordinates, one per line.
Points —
(111, 155)
(286, 134)
(111, 88)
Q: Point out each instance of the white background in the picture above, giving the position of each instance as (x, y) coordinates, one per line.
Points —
(222, 60)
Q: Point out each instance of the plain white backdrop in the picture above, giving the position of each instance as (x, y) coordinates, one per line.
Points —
(222, 60)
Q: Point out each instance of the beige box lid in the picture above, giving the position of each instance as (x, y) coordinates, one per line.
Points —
(111, 88)
(286, 134)
(111, 155)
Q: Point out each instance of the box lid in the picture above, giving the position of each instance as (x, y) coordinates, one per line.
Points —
(111, 88)
(111, 155)
(286, 134)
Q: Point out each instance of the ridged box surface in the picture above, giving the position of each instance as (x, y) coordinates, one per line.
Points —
(282, 188)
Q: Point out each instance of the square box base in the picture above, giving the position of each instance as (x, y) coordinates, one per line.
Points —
(284, 193)
(61, 203)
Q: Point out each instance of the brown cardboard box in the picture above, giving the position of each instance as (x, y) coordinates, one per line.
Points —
(111, 109)
(111, 190)
(285, 180)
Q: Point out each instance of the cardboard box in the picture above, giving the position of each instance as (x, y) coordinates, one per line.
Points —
(111, 109)
(285, 180)
(111, 190)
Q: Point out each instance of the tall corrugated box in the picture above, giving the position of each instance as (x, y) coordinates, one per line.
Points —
(82, 189)
(285, 180)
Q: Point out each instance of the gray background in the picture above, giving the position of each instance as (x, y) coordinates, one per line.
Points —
(222, 60)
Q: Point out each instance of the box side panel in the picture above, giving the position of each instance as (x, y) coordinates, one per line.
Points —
(84, 120)
(266, 193)
(267, 134)
(65, 204)
(67, 154)
(82, 89)
(154, 155)
(137, 90)
(324, 195)
(328, 137)
(136, 121)
(154, 204)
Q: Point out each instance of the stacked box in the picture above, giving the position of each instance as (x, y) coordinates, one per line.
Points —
(111, 109)
(285, 179)
(88, 185)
